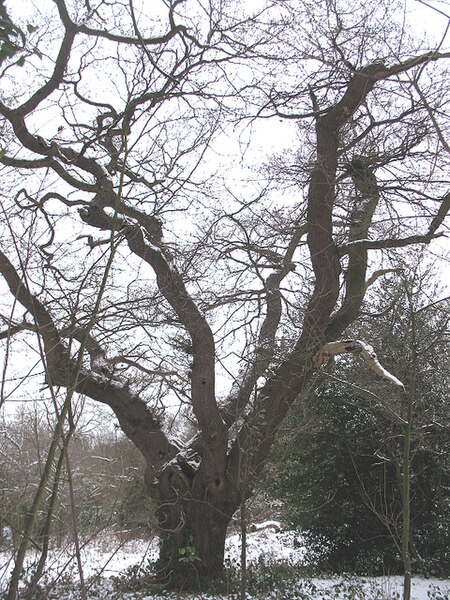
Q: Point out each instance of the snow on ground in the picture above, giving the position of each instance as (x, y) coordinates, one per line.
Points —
(267, 543)
(109, 556)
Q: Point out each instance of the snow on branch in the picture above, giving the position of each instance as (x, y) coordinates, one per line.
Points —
(355, 346)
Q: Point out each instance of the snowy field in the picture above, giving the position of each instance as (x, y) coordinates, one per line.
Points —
(108, 557)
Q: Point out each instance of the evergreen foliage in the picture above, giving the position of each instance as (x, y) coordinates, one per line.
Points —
(340, 474)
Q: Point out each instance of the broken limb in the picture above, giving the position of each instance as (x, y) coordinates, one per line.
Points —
(366, 351)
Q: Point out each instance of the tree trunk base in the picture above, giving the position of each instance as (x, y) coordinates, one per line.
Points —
(192, 549)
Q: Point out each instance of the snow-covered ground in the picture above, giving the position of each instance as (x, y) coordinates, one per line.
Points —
(110, 557)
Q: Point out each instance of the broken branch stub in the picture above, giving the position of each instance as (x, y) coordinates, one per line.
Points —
(365, 350)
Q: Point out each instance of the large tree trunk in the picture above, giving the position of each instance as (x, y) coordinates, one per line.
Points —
(192, 547)
(193, 516)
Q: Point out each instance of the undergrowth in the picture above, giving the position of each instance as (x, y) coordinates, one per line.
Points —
(266, 580)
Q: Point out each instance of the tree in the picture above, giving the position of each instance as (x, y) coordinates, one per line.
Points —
(139, 275)
(343, 471)
(107, 473)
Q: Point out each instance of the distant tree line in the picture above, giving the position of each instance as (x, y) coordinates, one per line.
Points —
(106, 476)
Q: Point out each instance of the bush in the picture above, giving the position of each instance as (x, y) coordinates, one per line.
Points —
(338, 469)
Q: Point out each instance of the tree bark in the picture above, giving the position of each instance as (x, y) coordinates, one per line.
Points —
(193, 517)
